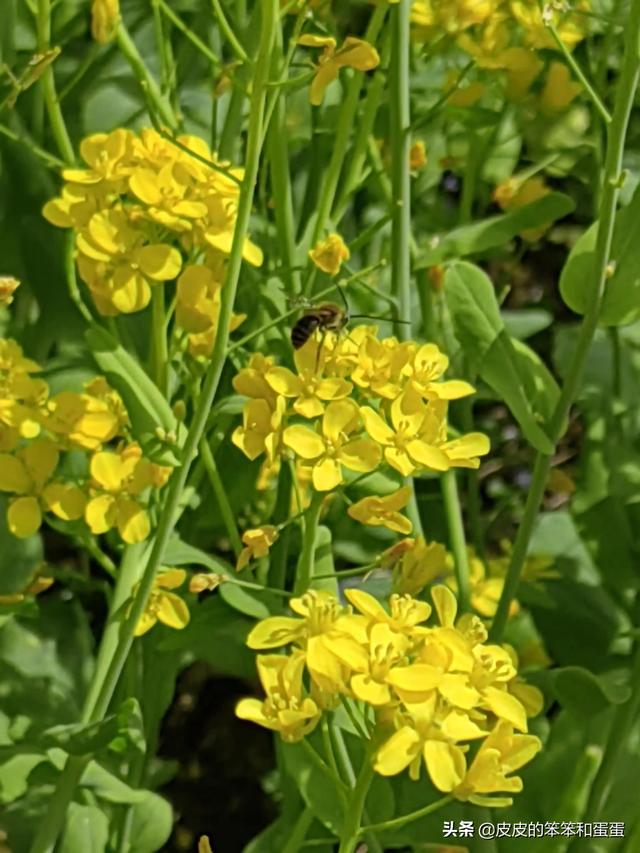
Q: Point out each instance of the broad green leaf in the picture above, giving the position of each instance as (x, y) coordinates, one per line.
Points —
(621, 302)
(148, 410)
(525, 322)
(14, 775)
(86, 830)
(585, 694)
(107, 786)
(317, 789)
(509, 367)
(494, 231)
(248, 601)
(179, 553)
(151, 824)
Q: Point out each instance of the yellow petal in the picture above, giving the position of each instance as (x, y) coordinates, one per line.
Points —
(398, 752)
(13, 475)
(303, 441)
(341, 416)
(274, 631)
(65, 501)
(100, 513)
(376, 426)
(172, 611)
(357, 53)
(505, 706)
(159, 261)
(368, 690)
(428, 456)
(326, 475)
(133, 521)
(284, 381)
(24, 517)
(446, 604)
(362, 455)
(446, 764)
(145, 623)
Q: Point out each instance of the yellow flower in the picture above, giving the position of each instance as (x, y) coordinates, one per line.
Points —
(28, 476)
(257, 543)
(329, 254)
(500, 754)
(401, 443)
(198, 306)
(416, 564)
(371, 662)
(105, 15)
(417, 156)
(425, 735)
(251, 381)
(86, 421)
(206, 581)
(516, 192)
(405, 612)
(334, 447)
(308, 387)
(285, 708)
(118, 480)
(261, 430)
(559, 89)
(21, 396)
(8, 286)
(163, 606)
(118, 266)
(203, 845)
(384, 511)
(320, 618)
(426, 368)
(353, 53)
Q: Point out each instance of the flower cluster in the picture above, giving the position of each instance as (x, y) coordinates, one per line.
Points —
(392, 409)
(69, 454)
(438, 694)
(505, 36)
(147, 210)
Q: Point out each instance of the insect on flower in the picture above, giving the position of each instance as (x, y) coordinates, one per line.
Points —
(327, 317)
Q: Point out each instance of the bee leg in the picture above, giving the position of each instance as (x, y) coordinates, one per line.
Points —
(323, 335)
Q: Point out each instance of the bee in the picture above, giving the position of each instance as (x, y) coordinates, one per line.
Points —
(327, 317)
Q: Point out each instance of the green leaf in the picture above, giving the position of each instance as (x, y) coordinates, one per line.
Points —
(179, 553)
(106, 785)
(151, 824)
(621, 302)
(14, 775)
(511, 368)
(316, 788)
(495, 231)
(525, 322)
(120, 732)
(585, 694)
(148, 410)
(86, 830)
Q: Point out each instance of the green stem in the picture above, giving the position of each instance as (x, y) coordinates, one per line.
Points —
(282, 198)
(612, 179)
(353, 815)
(346, 121)
(323, 767)
(56, 119)
(579, 74)
(188, 33)
(159, 338)
(399, 822)
(104, 685)
(147, 82)
(400, 171)
(457, 538)
(304, 570)
(50, 160)
(228, 32)
(299, 831)
(217, 486)
(626, 716)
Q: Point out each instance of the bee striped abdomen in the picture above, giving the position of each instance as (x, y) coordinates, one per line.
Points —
(327, 317)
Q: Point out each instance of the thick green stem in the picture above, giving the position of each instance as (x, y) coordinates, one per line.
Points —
(457, 538)
(400, 166)
(160, 350)
(56, 119)
(282, 198)
(353, 815)
(147, 83)
(304, 571)
(217, 486)
(612, 181)
(104, 686)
